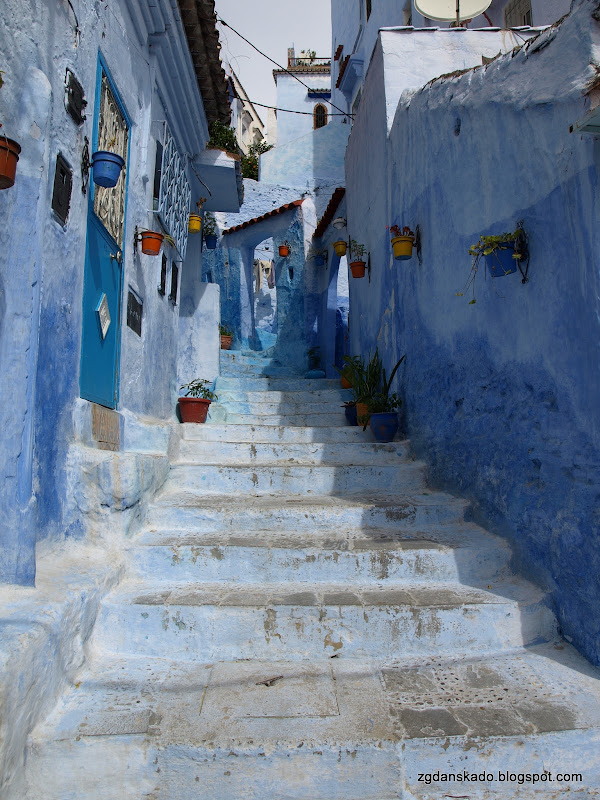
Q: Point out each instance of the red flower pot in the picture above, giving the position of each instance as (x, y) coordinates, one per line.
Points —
(9, 155)
(358, 269)
(193, 409)
(284, 250)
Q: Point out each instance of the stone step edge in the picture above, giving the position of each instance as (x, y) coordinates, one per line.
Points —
(470, 537)
(177, 498)
(400, 595)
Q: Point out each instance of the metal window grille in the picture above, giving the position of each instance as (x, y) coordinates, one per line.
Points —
(517, 13)
(113, 135)
(320, 115)
(175, 194)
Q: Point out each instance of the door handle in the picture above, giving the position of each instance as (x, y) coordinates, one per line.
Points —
(118, 257)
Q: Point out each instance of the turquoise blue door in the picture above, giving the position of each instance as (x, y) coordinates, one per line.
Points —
(102, 281)
(101, 315)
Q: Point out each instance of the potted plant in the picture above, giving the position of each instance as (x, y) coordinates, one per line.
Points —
(383, 407)
(194, 223)
(9, 156)
(402, 242)
(106, 167)
(318, 256)
(226, 336)
(357, 265)
(340, 247)
(152, 240)
(502, 253)
(210, 231)
(193, 406)
(365, 380)
(284, 249)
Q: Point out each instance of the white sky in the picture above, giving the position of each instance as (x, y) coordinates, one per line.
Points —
(273, 26)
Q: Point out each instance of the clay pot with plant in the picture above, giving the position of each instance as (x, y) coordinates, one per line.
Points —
(193, 406)
(383, 407)
(210, 231)
(9, 156)
(357, 263)
(503, 254)
(402, 242)
(226, 335)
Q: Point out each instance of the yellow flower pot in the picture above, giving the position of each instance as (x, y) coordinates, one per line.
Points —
(340, 247)
(194, 223)
(402, 246)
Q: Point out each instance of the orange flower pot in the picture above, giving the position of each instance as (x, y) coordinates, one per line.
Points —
(9, 155)
(357, 268)
(151, 242)
(346, 383)
(226, 342)
(362, 413)
(284, 250)
(193, 409)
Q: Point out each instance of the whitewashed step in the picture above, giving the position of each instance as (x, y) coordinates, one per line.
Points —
(332, 418)
(461, 552)
(282, 434)
(181, 731)
(194, 510)
(340, 729)
(297, 396)
(297, 480)
(280, 384)
(284, 403)
(207, 622)
(261, 454)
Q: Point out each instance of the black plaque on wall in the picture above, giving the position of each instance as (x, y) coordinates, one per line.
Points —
(134, 312)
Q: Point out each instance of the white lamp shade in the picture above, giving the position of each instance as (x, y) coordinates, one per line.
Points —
(445, 10)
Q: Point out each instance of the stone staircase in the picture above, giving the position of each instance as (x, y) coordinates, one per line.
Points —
(303, 619)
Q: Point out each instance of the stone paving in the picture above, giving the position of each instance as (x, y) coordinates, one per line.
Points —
(302, 618)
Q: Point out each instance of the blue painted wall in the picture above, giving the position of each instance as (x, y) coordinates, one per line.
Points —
(41, 260)
(500, 396)
(315, 159)
(292, 95)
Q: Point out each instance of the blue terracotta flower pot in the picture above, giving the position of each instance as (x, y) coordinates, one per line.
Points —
(319, 261)
(501, 261)
(211, 241)
(350, 412)
(106, 168)
(384, 425)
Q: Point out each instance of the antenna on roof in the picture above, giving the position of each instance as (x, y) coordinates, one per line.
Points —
(451, 10)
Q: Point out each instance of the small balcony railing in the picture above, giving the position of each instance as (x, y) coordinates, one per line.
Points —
(307, 61)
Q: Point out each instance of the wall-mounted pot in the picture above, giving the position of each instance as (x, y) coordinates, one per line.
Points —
(9, 155)
(106, 168)
(194, 223)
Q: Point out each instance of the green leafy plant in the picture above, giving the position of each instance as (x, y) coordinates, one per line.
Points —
(383, 401)
(210, 225)
(199, 388)
(250, 160)
(487, 245)
(225, 330)
(357, 250)
(364, 377)
(223, 136)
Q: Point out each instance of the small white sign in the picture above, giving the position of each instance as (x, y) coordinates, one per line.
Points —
(103, 315)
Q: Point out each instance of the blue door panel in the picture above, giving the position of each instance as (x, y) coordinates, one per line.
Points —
(99, 355)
